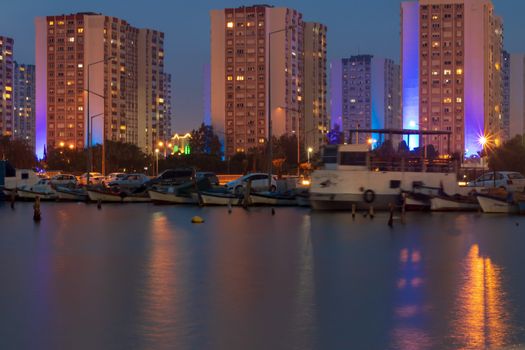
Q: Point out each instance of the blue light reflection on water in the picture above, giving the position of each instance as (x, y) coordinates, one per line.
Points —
(143, 277)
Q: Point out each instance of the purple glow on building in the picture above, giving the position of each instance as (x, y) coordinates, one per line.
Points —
(410, 69)
(41, 87)
(336, 93)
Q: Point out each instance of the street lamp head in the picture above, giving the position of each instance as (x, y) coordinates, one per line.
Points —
(156, 150)
(483, 140)
(161, 144)
(310, 149)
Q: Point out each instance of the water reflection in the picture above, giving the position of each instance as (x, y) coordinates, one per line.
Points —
(410, 308)
(481, 318)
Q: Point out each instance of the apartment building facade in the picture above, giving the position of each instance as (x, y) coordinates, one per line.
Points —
(366, 95)
(253, 48)
(68, 47)
(24, 103)
(451, 62)
(7, 124)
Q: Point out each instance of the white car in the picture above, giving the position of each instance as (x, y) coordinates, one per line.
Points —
(130, 181)
(64, 180)
(94, 178)
(112, 177)
(508, 180)
(259, 183)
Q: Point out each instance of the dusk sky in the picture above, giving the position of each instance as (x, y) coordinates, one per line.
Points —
(354, 26)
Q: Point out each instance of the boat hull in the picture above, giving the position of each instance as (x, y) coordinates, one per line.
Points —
(347, 201)
(219, 199)
(71, 196)
(496, 205)
(169, 198)
(116, 198)
(31, 195)
(261, 199)
(451, 204)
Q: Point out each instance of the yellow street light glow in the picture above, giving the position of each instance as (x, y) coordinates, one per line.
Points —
(61, 144)
(310, 149)
(170, 145)
(482, 140)
(156, 150)
(161, 143)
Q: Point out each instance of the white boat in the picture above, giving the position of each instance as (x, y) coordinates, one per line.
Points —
(453, 203)
(110, 197)
(71, 194)
(351, 177)
(218, 198)
(170, 197)
(42, 189)
(492, 204)
(16, 178)
(271, 198)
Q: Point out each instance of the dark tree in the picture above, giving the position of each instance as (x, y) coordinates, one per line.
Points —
(17, 152)
(510, 156)
(205, 141)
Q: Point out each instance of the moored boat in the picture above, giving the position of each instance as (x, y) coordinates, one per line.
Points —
(71, 194)
(42, 189)
(219, 198)
(111, 197)
(494, 204)
(453, 203)
(170, 197)
(272, 198)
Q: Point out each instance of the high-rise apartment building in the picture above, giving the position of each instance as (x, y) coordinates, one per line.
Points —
(24, 103)
(505, 95)
(253, 48)
(451, 61)
(121, 62)
(514, 91)
(168, 108)
(316, 120)
(366, 94)
(7, 125)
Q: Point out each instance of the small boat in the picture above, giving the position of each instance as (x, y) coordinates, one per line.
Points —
(170, 197)
(495, 204)
(71, 194)
(272, 198)
(42, 189)
(219, 198)
(417, 201)
(122, 197)
(453, 203)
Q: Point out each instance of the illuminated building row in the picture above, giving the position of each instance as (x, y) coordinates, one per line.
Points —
(126, 81)
(240, 76)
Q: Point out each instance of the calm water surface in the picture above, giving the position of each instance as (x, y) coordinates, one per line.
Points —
(143, 277)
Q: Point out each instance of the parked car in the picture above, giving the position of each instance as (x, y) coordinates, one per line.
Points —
(129, 181)
(173, 177)
(64, 180)
(259, 183)
(212, 177)
(112, 177)
(508, 180)
(94, 178)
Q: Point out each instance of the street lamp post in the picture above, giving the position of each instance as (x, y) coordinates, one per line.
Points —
(89, 92)
(157, 161)
(270, 141)
(310, 150)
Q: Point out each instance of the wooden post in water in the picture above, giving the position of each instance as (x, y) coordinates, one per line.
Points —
(36, 210)
(247, 191)
(13, 195)
(353, 211)
(371, 212)
(403, 208)
(391, 218)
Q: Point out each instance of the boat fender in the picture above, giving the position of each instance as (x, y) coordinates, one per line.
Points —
(369, 196)
(197, 220)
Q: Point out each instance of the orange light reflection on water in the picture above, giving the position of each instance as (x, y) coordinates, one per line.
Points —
(481, 318)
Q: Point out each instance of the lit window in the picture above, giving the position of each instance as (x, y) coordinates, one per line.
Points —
(229, 24)
(240, 78)
(459, 99)
(8, 88)
(435, 44)
(80, 65)
(435, 17)
(80, 108)
(447, 72)
(459, 71)
(60, 23)
(435, 72)
(497, 66)
(80, 30)
(71, 40)
(352, 100)
(447, 100)
(230, 77)
(51, 23)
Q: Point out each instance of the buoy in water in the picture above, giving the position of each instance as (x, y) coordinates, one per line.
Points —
(197, 220)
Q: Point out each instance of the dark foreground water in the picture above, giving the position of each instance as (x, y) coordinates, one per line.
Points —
(144, 277)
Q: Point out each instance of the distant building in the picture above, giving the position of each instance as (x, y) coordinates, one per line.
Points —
(366, 94)
(451, 58)
(7, 125)
(180, 144)
(206, 92)
(126, 68)
(240, 74)
(168, 107)
(513, 94)
(24, 103)
(316, 121)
